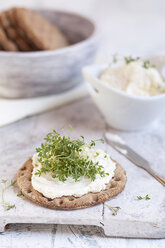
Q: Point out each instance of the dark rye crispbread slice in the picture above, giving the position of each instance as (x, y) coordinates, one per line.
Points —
(6, 43)
(114, 187)
(39, 31)
(21, 34)
(1, 48)
(13, 33)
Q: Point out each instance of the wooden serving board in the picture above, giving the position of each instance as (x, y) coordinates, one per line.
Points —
(136, 218)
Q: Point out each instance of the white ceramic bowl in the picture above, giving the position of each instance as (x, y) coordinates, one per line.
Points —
(121, 110)
(41, 73)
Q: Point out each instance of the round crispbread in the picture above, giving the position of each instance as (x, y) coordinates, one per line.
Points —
(114, 187)
(42, 33)
(6, 43)
(12, 33)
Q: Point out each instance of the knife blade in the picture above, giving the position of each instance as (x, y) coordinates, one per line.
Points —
(118, 144)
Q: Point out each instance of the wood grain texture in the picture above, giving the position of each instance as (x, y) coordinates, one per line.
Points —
(133, 220)
(66, 236)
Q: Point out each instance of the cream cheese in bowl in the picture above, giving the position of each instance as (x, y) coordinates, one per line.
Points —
(129, 93)
(135, 77)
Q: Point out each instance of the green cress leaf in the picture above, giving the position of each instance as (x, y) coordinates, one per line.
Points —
(20, 194)
(139, 197)
(4, 181)
(130, 59)
(147, 65)
(147, 197)
(61, 156)
(12, 183)
(10, 207)
(113, 209)
(143, 198)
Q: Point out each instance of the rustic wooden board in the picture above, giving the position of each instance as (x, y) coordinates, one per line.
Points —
(135, 219)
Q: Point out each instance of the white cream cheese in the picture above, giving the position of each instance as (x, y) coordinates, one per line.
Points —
(52, 187)
(134, 79)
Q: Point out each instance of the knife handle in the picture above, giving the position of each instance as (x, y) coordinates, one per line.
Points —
(156, 176)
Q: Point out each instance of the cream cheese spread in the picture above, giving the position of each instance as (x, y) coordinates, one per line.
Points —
(53, 187)
(134, 79)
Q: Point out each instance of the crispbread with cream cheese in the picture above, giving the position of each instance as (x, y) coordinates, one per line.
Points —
(114, 187)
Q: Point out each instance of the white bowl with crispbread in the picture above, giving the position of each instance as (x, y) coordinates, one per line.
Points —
(39, 73)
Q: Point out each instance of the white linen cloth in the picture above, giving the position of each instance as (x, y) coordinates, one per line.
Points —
(12, 110)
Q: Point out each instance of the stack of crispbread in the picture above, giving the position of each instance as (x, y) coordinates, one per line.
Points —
(25, 30)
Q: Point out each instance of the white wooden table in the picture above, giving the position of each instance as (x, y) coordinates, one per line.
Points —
(18, 142)
(129, 27)
(65, 236)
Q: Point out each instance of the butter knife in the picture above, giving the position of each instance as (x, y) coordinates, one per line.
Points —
(118, 144)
